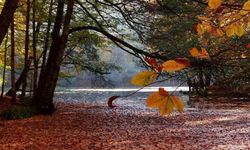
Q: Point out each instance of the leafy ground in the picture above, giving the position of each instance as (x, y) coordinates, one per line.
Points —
(81, 126)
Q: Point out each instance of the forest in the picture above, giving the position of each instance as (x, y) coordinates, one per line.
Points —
(201, 44)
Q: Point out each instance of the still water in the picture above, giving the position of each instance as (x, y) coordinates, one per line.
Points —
(100, 96)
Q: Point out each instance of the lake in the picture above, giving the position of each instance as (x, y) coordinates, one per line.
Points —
(97, 96)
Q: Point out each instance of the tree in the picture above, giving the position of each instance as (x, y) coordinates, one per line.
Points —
(26, 49)
(6, 17)
(43, 98)
(4, 64)
(223, 24)
(13, 88)
(47, 37)
(100, 26)
(180, 26)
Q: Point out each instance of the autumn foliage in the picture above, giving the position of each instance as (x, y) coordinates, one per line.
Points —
(163, 100)
(218, 21)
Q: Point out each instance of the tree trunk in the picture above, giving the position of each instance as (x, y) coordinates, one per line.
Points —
(6, 16)
(26, 51)
(35, 60)
(19, 80)
(12, 55)
(4, 63)
(36, 29)
(47, 37)
(43, 98)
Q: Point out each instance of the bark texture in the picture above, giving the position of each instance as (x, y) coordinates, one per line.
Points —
(12, 62)
(43, 98)
(6, 17)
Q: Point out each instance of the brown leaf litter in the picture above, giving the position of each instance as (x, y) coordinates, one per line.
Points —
(84, 126)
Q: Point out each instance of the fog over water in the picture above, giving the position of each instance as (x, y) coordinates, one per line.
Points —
(117, 78)
(87, 88)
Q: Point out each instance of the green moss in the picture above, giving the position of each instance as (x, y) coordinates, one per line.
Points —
(17, 112)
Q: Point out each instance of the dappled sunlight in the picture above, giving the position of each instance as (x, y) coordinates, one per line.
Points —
(213, 120)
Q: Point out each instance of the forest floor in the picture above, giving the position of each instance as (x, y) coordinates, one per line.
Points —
(81, 126)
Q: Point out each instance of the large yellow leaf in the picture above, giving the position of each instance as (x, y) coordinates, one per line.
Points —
(245, 8)
(167, 107)
(178, 103)
(155, 100)
(239, 30)
(164, 102)
(214, 4)
(230, 31)
(173, 65)
(233, 29)
(144, 78)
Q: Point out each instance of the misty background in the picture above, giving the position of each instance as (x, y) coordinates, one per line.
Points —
(128, 67)
(126, 63)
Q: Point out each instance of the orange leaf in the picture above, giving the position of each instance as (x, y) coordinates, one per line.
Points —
(246, 8)
(214, 4)
(239, 30)
(152, 62)
(219, 32)
(203, 54)
(178, 103)
(184, 61)
(200, 29)
(167, 108)
(159, 68)
(230, 31)
(144, 78)
(164, 102)
(194, 52)
(173, 65)
(155, 100)
(162, 92)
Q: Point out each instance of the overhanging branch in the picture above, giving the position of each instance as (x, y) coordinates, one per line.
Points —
(118, 40)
